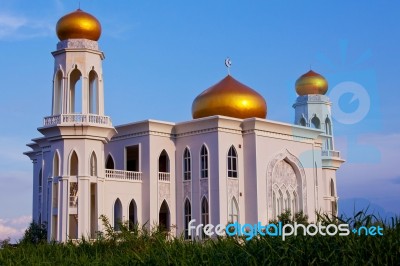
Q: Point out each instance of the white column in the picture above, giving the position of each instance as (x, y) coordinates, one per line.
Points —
(63, 207)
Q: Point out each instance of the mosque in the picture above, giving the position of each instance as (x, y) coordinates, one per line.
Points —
(229, 163)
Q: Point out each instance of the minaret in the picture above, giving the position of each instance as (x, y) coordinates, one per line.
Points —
(313, 109)
(70, 156)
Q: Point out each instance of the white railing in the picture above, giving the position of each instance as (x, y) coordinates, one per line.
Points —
(330, 153)
(77, 118)
(163, 176)
(124, 175)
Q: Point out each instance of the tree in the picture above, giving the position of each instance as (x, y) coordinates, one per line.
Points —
(36, 233)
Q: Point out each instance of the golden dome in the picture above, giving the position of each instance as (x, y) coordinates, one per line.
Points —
(78, 25)
(231, 98)
(311, 83)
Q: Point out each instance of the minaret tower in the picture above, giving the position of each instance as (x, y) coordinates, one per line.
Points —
(313, 109)
(69, 159)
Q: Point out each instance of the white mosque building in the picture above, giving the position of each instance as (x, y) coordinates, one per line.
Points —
(229, 163)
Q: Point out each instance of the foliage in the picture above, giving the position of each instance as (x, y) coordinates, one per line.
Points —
(36, 233)
(141, 246)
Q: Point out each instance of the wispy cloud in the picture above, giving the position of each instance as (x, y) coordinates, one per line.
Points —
(14, 228)
(21, 27)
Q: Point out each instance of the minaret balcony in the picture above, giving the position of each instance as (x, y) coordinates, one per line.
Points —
(71, 119)
(330, 153)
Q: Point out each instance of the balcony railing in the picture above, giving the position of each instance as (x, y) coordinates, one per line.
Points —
(124, 175)
(77, 118)
(164, 176)
(330, 153)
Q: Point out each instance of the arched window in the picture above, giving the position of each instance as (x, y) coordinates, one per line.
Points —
(328, 131)
(132, 214)
(187, 173)
(73, 164)
(117, 214)
(56, 164)
(93, 164)
(188, 217)
(93, 92)
(294, 203)
(232, 162)
(303, 122)
(233, 211)
(58, 95)
(288, 203)
(280, 202)
(204, 162)
(332, 188)
(163, 162)
(275, 204)
(110, 162)
(204, 214)
(315, 123)
(75, 91)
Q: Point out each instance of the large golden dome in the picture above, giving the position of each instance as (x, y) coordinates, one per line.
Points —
(311, 83)
(231, 98)
(78, 25)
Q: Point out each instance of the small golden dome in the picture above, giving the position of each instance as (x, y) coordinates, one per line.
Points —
(231, 98)
(78, 25)
(311, 83)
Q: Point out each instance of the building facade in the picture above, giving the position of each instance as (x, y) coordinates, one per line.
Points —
(229, 163)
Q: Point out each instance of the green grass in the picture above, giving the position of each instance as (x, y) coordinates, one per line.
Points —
(141, 247)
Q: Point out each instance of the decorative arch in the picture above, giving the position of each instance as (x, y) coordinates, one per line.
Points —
(302, 121)
(56, 164)
(233, 210)
(110, 162)
(93, 164)
(300, 191)
(73, 164)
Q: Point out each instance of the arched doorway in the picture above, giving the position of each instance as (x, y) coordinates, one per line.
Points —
(164, 216)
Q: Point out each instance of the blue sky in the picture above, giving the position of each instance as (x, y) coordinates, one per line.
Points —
(161, 54)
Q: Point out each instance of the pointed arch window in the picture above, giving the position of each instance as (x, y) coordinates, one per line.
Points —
(204, 162)
(204, 214)
(188, 217)
(187, 173)
(110, 162)
(232, 162)
(315, 123)
(303, 122)
(73, 164)
(93, 92)
(56, 164)
(75, 92)
(117, 214)
(163, 162)
(233, 211)
(333, 200)
(132, 214)
(58, 93)
(93, 164)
